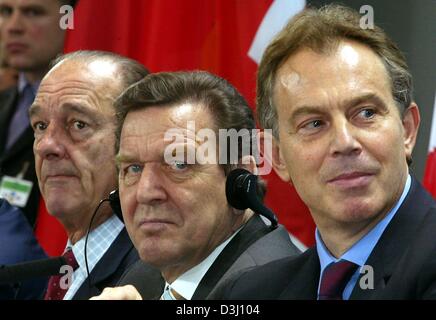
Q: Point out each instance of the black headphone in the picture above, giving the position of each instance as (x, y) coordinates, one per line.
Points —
(114, 202)
(241, 194)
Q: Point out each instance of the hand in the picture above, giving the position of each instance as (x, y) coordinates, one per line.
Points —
(127, 292)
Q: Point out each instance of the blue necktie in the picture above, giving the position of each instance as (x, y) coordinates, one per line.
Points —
(20, 119)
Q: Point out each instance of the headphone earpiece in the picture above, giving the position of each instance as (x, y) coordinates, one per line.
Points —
(241, 194)
(114, 201)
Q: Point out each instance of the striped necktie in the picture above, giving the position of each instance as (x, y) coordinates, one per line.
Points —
(334, 279)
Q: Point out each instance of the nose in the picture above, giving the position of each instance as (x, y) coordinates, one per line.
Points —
(50, 144)
(151, 186)
(14, 23)
(344, 140)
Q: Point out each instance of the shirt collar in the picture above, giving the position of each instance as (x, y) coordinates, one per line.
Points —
(186, 284)
(23, 82)
(96, 247)
(361, 250)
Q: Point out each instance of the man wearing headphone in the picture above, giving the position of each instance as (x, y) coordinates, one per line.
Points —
(175, 205)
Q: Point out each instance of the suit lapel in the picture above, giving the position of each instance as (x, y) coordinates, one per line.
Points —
(252, 231)
(24, 142)
(7, 106)
(395, 240)
(105, 267)
(304, 277)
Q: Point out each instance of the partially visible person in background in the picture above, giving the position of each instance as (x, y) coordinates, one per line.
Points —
(31, 37)
(8, 75)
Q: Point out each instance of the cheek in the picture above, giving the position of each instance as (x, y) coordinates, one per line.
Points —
(38, 31)
(101, 151)
(305, 160)
(386, 147)
(128, 203)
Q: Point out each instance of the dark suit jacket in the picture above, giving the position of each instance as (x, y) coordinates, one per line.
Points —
(13, 160)
(254, 245)
(404, 262)
(120, 256)
(17, 244)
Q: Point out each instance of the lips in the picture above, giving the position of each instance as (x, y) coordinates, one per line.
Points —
(58, 177)
(352, 179)
(154, 225)
(15, 47)
(151, 221)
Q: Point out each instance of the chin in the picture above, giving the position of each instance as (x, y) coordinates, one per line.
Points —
(58, 208)
(155, 255)
(357, 212)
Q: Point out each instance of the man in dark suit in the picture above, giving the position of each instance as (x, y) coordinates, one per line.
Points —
(172, 185)
(338, 98)
(73, 119)
(30, 37)
(18, 244)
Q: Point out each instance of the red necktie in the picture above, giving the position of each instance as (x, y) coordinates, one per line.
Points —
(55, 290)
(334, 279)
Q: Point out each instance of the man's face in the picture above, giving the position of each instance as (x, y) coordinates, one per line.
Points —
(175, 213)
(342, 139)
(30, 32)
(74, 120)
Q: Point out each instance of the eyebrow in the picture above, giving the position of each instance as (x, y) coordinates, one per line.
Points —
(121, 158)
(303, 110)
(35, 109)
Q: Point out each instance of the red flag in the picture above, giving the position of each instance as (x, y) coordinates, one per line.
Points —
(49, 232)
(213, 35)
(430, 168)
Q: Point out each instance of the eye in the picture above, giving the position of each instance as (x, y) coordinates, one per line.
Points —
(39, 126)
(367, 113)
(79, 125)
(178, 165)
(5, 11)
(314, 124)
(33, 12)
(311, 126)
(133, 169)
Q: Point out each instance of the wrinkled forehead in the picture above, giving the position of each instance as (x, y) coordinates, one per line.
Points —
(151, 130)
(350, 66)
(75, 83)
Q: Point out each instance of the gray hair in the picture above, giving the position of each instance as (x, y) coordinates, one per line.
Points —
(130, 71)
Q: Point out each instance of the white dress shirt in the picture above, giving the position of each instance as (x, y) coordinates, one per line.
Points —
(186, 284)
(99, 241)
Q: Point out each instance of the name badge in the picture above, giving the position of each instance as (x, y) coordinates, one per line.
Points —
(15, 190)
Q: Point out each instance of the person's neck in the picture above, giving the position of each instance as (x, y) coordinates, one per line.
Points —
(35, 75)
(77, 228)
(339, 237)
(170, 274)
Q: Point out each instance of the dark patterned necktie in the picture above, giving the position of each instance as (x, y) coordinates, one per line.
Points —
(56, 290)
(334, 279)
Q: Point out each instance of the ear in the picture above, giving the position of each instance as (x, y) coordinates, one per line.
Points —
(411, 120)
(276, 157)
(249, 163)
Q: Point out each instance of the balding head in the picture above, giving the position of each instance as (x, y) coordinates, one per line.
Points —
(73, 118)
